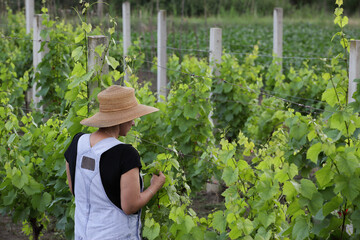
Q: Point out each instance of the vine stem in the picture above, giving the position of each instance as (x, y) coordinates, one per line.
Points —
(343, 223)
(347, 71)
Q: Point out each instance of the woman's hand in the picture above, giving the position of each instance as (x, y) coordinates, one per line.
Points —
(157, 181)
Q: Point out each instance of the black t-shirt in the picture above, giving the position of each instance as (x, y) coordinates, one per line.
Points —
(113, 163)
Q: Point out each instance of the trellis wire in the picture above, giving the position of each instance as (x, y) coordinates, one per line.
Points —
(182, 49)
(247, 88)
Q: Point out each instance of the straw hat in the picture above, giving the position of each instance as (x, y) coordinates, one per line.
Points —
(117, 105)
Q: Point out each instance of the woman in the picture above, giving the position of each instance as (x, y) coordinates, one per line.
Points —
(104, 173)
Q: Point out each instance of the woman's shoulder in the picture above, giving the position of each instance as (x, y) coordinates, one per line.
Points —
(124, 149)
(123, 155)
(76, 137)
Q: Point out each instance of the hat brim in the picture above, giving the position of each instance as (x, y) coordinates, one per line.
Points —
(108, 119)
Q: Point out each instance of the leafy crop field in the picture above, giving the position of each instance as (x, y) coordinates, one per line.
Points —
(282, 142)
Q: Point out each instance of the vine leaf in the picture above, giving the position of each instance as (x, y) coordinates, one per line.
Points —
(77, 53)
(230, 175)
(324, 175)
(301, 228)
(313, 152)
(219, 221)
(348, 186)
(151, 229)
(112, 62)
(307, 188)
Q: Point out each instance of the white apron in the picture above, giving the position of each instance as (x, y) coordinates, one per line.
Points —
(96, 217)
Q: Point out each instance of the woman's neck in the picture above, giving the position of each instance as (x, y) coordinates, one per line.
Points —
(103, 133)
(109, 132)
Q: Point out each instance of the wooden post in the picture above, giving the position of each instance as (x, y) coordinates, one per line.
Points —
(278, 34)
(161, 54)
(126, 34)
(29, 12)
(215, 49)
(354, 68)
(37, 55)
(95, 60)
(100, 10)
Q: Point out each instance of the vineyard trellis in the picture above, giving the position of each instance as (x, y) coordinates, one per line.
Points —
(253, 186)
(215, 46)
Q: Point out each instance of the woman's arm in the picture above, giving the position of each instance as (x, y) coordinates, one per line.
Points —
(69, 177)
(131, 198)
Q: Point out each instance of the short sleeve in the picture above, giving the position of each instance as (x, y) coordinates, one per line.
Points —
(71, 151)
(130, 159)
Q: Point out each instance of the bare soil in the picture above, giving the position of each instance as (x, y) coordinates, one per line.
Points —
(205, 203)
(10, 230)
(13, 231)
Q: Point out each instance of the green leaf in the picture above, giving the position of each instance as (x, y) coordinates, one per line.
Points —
(316, 203)
(174, 163)
(355, 218)
(338, 119)
(345, 21)
(301, 228)
(313, 152)
(289, 190)
(112, 62)
(86, 27)
(293, 171)
(307, 188)
(189, 223)
(111, 30)
(100, 49)
(311, 135)
(230, 218)
(9, 198)
(282, 175)
(219, 221)
(11, 139)
(190, 111)
(210, 235)
(77, 53)
(298, 130)
(339, 2)
(78, 70)
(332, 205)
(348, 186)
(230, 175)
(9, 125)
(79, 37)
(235, 232)
(78, 80)
(72, 94)
(324, 175)
(41, 201)
(248, 226)
(329, 96)
(151, 229)
(19, 179)
(267, 190)
(347, 163)
(267, 219)
(33, 187)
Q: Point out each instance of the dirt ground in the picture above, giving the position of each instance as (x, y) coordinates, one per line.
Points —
(9, 230)
(12, 231)
(203, 204)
